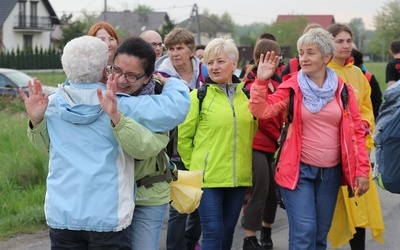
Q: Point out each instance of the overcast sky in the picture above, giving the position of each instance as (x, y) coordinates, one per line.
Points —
(242, 11)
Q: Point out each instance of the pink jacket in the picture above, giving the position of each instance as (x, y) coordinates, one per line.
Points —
(354, 156)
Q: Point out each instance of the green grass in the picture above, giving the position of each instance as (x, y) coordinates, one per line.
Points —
(51, 79)
(378, 69)
(22, 173)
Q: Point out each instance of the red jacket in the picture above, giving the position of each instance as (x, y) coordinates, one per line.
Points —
(269, 130)
(355, 162)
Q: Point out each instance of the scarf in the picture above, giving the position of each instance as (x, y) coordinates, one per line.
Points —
(147, 89)
(314, 97)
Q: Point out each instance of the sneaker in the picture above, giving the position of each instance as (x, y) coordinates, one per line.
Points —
(251, 243)
(197, 247)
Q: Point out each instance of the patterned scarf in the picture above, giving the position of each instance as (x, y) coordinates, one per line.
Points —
(147, 89)
(314, 97)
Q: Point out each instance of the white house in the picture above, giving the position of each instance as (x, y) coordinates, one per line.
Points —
(26, 24)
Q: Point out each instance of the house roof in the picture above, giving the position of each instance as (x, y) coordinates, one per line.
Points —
(135, 23)
(323, 20)
(207, 25)
(52, 13)
(6, 6)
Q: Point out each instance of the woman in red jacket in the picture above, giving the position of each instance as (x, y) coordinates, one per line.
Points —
(325, 143)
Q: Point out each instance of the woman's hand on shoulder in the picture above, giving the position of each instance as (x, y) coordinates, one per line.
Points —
(267, 65)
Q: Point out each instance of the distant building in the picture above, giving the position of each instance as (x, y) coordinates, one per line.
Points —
(26, 24)
(134, 23)
(323, 20)
(208, 28)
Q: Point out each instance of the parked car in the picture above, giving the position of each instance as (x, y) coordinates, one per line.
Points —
(11, 80)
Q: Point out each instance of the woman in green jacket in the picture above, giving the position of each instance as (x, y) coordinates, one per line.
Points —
(216, 138)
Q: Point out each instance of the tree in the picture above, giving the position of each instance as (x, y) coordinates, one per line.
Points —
(358, 28)
(287, 33)
(387, 27)
(142, 8)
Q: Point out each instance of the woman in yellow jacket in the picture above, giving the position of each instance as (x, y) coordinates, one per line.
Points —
(354, 214)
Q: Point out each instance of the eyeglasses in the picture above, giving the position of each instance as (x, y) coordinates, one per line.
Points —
(129, 77)
(155, 45)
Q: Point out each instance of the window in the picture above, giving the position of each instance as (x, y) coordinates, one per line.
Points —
(28, 41)
(22, 13)
(34, 16)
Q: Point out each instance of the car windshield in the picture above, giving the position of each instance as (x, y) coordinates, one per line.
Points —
(19, 78)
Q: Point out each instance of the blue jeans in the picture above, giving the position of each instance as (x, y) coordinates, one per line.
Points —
(311, 205)
(146, 226)
(219, 212)
(80, 240)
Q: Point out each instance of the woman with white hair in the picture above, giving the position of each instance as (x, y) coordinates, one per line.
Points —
(325, 141)
(92, 145)
(216, 139)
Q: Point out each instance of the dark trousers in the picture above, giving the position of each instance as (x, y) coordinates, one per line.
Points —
(262, 203)
(82, 240)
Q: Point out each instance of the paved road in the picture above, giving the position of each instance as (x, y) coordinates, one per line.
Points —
(390, 208)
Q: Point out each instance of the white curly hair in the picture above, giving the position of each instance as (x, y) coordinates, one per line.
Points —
(84, 59)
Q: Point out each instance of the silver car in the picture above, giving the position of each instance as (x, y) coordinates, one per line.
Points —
(11, 80)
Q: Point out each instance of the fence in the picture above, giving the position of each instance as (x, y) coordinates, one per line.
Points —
(31, 59)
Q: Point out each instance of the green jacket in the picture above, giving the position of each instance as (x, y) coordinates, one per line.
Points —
(159, 193)
(218, 141)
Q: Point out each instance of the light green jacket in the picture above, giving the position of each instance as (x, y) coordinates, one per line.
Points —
(218, 141)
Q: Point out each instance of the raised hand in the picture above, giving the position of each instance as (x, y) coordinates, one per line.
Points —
(267, 65)
(108, 102)
(36, 103)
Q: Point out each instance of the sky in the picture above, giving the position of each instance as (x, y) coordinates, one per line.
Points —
(242, 12)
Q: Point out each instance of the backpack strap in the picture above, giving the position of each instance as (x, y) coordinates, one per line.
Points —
(286, 127)
(344, 95)
(294, 64)
(368, 75)
(169, 175)
(201, 94)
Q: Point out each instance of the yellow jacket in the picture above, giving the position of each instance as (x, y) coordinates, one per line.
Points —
(362, 90)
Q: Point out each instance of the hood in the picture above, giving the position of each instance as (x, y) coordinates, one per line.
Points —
(164, 66)
(78, 103)
(348, 64)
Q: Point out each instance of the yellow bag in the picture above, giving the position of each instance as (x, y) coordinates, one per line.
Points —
(186, 191)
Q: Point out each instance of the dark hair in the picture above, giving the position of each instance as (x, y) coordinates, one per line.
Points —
(263, 46)
(137, 47)
(358, 57)
(268, 36)
(203, 47)
(395, 46)
(336, 28)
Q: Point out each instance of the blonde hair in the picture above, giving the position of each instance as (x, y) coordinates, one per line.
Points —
(218, 45)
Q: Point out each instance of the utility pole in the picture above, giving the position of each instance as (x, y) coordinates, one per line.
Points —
(105, 10)
(195, 14)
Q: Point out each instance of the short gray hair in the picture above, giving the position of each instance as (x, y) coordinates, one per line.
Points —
(84, 59)
(321, 37)
(218, 45)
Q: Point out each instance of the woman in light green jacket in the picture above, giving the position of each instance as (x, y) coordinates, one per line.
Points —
(216, 138)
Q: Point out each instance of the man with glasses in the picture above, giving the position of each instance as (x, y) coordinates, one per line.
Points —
(155, 39)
